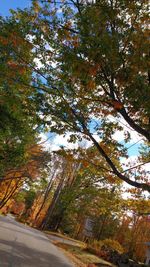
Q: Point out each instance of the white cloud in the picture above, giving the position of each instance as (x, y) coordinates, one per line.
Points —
(61, 140)
(119, 135)
(38, 63)
(132, 160)
(53, 142)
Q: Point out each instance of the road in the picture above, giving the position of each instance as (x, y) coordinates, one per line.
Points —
(22, 246)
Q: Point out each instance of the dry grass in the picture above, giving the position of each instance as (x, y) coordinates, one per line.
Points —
(82, 258)
(77, 252)
(77, 262)
(79, 243)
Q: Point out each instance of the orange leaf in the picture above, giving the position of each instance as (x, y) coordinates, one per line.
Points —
(91, 84)
(3, 40)
(12, 64)
(117, 104)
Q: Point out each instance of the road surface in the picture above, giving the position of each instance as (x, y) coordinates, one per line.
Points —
(22, 246)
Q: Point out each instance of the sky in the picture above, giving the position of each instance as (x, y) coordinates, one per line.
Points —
(5, 5)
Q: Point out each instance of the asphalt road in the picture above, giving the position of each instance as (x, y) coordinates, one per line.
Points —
(22, 246)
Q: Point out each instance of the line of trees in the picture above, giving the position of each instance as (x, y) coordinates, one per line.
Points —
(75, 192)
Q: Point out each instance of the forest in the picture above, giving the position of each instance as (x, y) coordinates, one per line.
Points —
(78, 70)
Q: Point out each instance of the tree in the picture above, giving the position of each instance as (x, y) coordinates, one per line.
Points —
(132, 233)
(94, 70)
(36, 168)
(133, 230)
(64, 176)
(19, 118)
(79, 190)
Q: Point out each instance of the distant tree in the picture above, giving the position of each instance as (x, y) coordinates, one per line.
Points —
(36, 168)
(80, 190)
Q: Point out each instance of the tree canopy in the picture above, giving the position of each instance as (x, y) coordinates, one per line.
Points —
(91, 73)
(19, 114)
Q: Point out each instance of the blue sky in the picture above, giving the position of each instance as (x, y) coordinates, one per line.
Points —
(5, 5)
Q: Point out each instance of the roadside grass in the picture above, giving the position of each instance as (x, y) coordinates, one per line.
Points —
(77, 252)
(2, 214)
(78, 242)
(84, 258)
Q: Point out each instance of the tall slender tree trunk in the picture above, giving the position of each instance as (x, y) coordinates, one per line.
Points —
(46, 221)
(47, 192)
